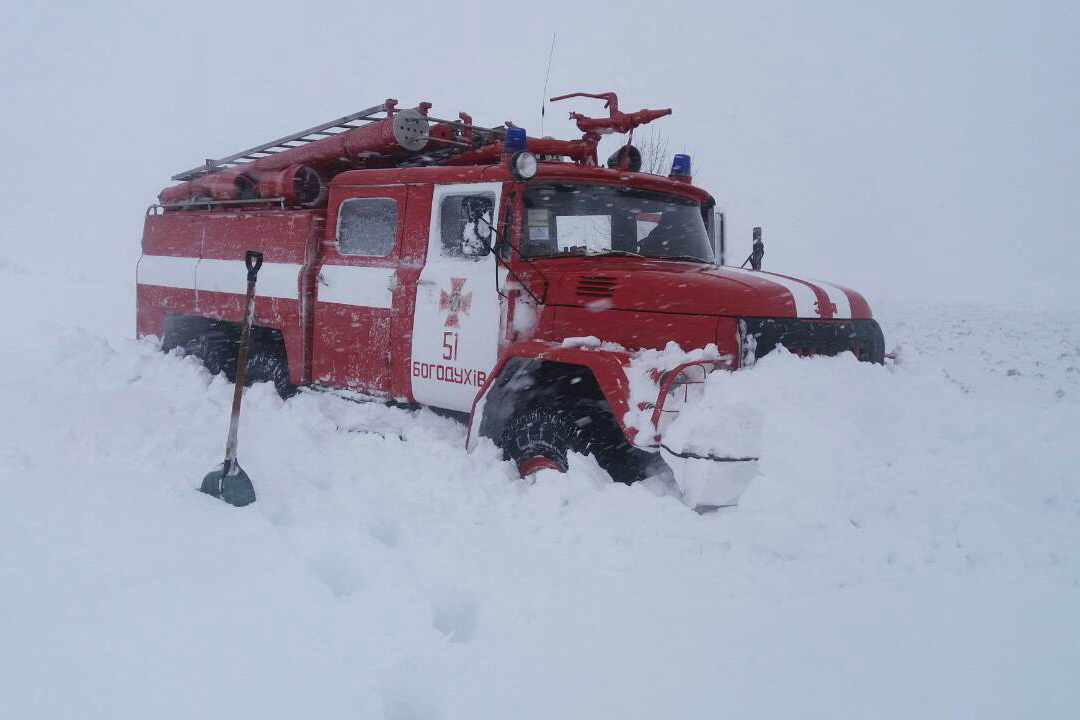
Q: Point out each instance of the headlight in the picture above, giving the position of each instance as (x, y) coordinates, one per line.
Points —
(523, 165)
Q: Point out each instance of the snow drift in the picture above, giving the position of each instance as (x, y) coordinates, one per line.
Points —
(911, 547)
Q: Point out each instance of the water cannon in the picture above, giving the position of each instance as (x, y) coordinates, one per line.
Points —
(617, 121)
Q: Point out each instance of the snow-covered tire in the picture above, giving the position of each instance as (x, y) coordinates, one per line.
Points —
(213, 350)
(605, 441)
(269, 366)
(541, 432)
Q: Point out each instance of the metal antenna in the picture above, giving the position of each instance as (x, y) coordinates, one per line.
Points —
(543, 101)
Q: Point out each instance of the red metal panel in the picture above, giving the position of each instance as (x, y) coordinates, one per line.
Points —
(176, 234)
(351, 346)
(665, 286)
(284, 237)
(860, 309)
(152, 302)
(414, 246)
(281, 235)
(633, 329)
(173, 237)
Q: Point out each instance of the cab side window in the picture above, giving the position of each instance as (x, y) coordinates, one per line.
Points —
(465, 225)
(366, 226)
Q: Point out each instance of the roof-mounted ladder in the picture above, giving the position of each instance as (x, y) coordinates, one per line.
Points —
(333, 127)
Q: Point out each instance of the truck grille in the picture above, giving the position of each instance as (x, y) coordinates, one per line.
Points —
(596, 286)
(760, 336)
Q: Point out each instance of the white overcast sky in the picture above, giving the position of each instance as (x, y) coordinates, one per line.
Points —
(911, 150)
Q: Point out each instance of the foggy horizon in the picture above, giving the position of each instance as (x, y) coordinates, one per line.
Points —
(916, 153)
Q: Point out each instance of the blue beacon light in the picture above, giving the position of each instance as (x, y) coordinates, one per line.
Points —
(680, 166)
(515, 140)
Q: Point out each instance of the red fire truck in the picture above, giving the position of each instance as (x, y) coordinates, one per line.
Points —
(476, 270)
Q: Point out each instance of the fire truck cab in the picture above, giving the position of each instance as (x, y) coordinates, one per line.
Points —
(480, 271)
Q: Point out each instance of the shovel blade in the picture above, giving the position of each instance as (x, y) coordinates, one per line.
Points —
(234, 487)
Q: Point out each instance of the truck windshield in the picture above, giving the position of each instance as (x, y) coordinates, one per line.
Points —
(567, 219)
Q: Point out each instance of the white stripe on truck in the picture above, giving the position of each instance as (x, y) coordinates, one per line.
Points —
(343, 284)
(838, 298)
(167, 271)
(356, 285)
(278, 280)
(208, 275)
(804, 298)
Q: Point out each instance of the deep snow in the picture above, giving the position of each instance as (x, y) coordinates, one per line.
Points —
(911, 548)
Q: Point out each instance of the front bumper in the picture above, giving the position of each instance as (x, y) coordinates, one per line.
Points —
(759, 336)
(707, 482)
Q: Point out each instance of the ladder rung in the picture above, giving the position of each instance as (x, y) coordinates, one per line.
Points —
(341, 122)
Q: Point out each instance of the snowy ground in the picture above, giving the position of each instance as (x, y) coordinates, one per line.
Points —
(911, 550)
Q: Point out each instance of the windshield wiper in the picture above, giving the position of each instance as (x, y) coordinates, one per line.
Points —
(691, 258)
(607, 253)
(627, 253)
(624, 253)
(617, 253)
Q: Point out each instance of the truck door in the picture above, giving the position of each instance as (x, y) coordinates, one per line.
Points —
(458, 313)
(354, 288)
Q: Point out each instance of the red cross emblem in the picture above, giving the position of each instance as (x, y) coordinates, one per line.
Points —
(455, 301)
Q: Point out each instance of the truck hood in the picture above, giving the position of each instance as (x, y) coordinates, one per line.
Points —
(656, 285)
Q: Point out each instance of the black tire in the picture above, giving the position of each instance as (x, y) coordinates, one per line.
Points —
(269, 366)
(214, 350)
(541, 432)
(606, 442)
(587, 428)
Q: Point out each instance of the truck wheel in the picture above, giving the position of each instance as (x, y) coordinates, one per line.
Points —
(211, 349)
(269, 366)
(539, 438)
(605, 441)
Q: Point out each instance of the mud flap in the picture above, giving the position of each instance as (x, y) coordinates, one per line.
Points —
(709, 482)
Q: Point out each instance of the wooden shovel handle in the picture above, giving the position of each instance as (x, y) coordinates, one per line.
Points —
(253, 260)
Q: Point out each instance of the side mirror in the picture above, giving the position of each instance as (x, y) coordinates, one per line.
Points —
(718, 238)
(759, 250)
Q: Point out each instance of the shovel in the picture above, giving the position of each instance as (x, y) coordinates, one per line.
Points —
(229, 482)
